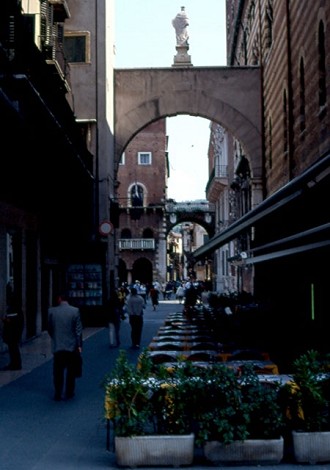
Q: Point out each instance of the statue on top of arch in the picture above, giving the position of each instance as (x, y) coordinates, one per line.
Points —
(180, 23)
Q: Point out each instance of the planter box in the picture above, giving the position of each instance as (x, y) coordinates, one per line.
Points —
(311, 447)
(156, 450)
(249, 452)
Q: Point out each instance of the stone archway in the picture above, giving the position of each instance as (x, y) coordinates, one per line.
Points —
(142, 270)
(195, 212)
(230, 96)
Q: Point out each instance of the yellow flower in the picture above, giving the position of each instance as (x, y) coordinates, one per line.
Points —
(110, 408)
(294, 389)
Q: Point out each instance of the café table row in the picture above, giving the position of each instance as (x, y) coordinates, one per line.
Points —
(181, 339)
(210, 357)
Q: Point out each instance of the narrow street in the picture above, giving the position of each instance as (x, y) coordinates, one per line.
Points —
(38, 433)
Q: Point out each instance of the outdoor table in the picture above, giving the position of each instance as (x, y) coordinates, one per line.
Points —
(262, 365)
(182, 345)
(226, 356)
(171, 365)
(166, 346)
(282, 379)
(188, 339)
(184, 355)
(176, 332)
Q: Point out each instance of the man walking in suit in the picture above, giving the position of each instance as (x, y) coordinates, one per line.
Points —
(65, 330)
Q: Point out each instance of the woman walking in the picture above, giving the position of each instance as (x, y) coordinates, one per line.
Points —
(154, 296)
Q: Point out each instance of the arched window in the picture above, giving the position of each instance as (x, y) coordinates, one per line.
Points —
(148, 233)
(302, 95)
(269, 24)
(126, 233)
(137, 195)
(322, 66)
(270, 143)
(285, 124)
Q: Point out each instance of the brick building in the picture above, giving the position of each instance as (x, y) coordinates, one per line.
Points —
(278, 247)
(141, 194)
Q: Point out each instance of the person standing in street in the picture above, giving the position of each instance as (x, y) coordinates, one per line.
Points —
(13, 324)
(65, 330)
(154, 295)
(180, 293)
(114, 313)
(135, 306)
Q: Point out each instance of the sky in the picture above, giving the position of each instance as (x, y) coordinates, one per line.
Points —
(145, 37)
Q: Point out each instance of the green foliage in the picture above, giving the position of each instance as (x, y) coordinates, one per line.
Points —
(221, 415)
(213, 402)
(127, 401)
(238, 407)
(266, 420)
(306, 399)
(177, 400)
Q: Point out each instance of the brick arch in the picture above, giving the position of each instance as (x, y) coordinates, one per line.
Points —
(230, 96)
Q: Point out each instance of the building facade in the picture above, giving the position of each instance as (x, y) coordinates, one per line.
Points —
(55, 123)
(141, 195)
(61, 194)
(282, 242)
(88, 42)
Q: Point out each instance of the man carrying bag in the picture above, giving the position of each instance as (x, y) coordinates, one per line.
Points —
(65, 329)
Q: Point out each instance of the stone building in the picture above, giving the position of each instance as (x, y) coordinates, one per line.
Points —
(281, 244)
(54, 188)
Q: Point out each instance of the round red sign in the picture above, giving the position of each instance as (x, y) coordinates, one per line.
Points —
(105, 228)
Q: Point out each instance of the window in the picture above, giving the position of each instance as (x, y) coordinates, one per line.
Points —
(126, 233)
(136, 200)
(270, 143)
(144, 158)
(122, 159)
(322, 66)
(269, 24)
(302, 95)
(136, 195)
(77, 47)
(148, 233)
(285, 124)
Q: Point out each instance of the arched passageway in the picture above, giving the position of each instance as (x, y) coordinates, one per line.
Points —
(142, 271)
(229, 96)
(199, 213)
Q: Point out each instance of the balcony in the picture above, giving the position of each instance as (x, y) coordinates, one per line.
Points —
(52, 50)
(61, 10)
(218, 180)
(137, 244)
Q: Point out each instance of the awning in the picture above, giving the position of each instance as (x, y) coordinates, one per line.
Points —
(291, 192)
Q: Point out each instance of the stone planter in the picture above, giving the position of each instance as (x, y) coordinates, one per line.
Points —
(251, 451)
(311, 447)
(155, 450)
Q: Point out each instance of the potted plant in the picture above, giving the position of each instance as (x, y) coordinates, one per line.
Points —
(241, 420)
(233, 418)
(306, 402)
(149, 420)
